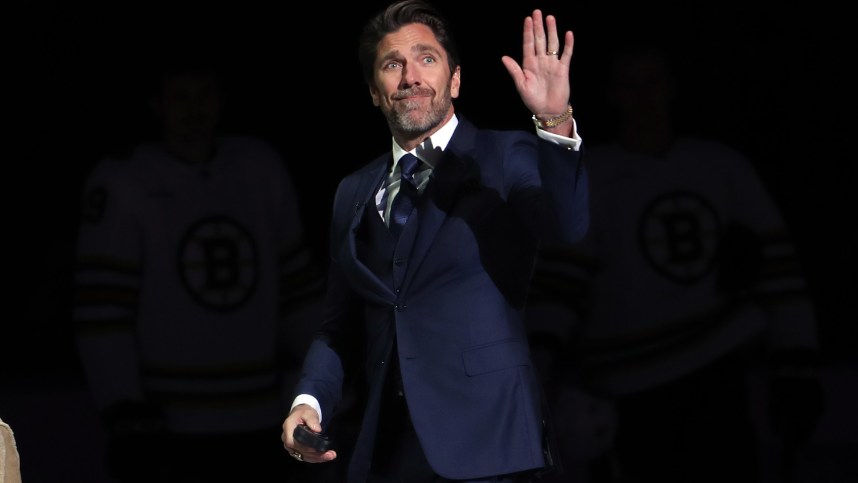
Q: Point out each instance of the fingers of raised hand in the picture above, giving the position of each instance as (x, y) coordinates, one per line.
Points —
(541, 36)
(552, 41)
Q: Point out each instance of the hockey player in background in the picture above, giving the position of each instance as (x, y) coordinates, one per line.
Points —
(196, 294)
(686, 284)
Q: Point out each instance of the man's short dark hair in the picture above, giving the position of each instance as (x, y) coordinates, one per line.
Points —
(394, 17)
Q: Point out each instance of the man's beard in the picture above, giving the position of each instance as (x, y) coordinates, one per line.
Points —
(402, 119)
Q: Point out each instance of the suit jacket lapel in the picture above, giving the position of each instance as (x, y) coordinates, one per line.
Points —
(363, 199)
(455, 174)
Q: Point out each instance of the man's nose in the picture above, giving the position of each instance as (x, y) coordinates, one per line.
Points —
(410, 77)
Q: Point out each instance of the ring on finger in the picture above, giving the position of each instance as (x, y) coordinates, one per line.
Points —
(552, 52)
(298, 456)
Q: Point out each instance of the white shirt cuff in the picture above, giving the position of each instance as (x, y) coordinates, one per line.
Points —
(573, 143)
(310, 401)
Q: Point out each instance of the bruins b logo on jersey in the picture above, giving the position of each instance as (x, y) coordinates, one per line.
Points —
(218, 263)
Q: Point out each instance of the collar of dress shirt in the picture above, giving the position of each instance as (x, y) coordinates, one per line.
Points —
(430, 150)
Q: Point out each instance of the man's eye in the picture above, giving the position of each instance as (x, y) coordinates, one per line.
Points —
(391, 65)
(428, 60)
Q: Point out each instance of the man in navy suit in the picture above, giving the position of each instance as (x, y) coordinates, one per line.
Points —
(433, 317)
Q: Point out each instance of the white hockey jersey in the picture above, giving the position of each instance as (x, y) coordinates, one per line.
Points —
(687, 258)
(189, 280)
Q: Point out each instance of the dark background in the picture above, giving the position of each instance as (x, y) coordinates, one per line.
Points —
(772, 81)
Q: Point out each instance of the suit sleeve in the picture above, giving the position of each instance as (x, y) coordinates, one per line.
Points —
(548, 184)
(332, 350)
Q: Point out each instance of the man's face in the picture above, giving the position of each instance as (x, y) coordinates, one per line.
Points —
(413, 85)
(189, 106)
(641, 87)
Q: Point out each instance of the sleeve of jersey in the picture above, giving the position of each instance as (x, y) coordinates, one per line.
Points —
(106, 287)
(779, 284)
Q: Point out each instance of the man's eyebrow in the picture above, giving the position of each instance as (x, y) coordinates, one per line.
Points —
(425, 48)
(417, 48)
(393, 54)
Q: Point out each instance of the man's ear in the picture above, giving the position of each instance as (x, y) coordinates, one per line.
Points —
(455, 82)
(373, 92)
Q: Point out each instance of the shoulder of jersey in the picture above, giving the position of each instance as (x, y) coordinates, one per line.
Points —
(712, 149)
(129, 166)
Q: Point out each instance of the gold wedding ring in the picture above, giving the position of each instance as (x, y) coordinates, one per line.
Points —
(551, 52)
(296, 455)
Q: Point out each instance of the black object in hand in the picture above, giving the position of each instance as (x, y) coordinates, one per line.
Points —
(308, 437)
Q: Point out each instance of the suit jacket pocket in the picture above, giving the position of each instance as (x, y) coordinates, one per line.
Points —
(500, 355)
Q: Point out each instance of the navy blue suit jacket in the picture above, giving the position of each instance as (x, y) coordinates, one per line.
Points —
(452, 293)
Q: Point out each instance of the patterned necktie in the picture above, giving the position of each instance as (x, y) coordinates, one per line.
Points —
(403, 203)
